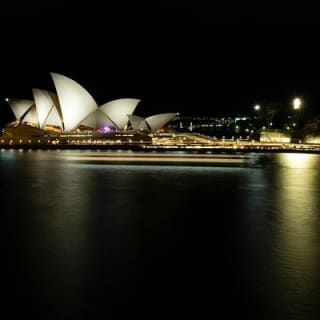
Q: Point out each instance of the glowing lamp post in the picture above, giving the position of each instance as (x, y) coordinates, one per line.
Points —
(257, 108)
(297, 103)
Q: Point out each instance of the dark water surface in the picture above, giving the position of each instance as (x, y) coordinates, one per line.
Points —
(102, 241)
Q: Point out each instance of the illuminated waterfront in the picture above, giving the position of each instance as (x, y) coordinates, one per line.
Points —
(92, 241)
(172, 142)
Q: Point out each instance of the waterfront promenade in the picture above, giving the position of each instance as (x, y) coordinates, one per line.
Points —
(218, 146)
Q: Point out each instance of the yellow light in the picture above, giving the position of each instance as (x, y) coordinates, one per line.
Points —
(297, 103)
(298, 160)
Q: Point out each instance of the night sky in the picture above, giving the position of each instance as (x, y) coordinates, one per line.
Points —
(187, 57)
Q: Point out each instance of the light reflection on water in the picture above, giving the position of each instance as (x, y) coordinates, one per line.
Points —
(131, 238)
(281, 228)
(299, 160)
(298, 196)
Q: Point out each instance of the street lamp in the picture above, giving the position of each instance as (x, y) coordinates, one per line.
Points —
(257, 117)
(297, 103)
(296, 108)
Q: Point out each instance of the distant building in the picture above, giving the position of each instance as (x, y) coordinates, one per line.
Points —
(312, 138)
(72, 110)
(273, 135)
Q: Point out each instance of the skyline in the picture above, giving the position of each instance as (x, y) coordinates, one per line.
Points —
(183, 58)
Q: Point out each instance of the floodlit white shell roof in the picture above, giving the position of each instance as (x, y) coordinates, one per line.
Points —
(157, 121)
(97, 119)
(75, 101)
(138, 123)
(31, 116)
(20, 106)
(73, 106)
(118, 110)
(54, 118)
(47, 108)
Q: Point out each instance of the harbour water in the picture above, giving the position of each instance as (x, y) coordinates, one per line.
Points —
(87, 240)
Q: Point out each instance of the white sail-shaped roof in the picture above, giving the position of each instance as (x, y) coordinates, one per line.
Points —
(117, 110)
(54, 118)
(31, 116)
(138, 123)
(46, 108)
(97, 119)
(19, 107)
(157, 121)
(75, 101)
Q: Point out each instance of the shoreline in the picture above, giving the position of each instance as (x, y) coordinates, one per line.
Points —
(227, 148)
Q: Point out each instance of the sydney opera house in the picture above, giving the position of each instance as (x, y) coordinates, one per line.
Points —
(71, 115)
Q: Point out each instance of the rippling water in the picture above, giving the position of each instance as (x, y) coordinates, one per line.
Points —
(101, 241)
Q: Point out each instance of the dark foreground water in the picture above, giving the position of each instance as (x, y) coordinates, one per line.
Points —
(101, 241)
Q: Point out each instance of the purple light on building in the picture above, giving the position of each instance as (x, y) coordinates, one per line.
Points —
(108, 128)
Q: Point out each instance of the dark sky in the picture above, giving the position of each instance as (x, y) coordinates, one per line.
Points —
(187, 57)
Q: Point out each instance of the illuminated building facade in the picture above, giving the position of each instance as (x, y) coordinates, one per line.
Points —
(72, 111)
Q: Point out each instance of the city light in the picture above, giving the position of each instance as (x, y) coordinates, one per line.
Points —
(257, 107)
(297, 103)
